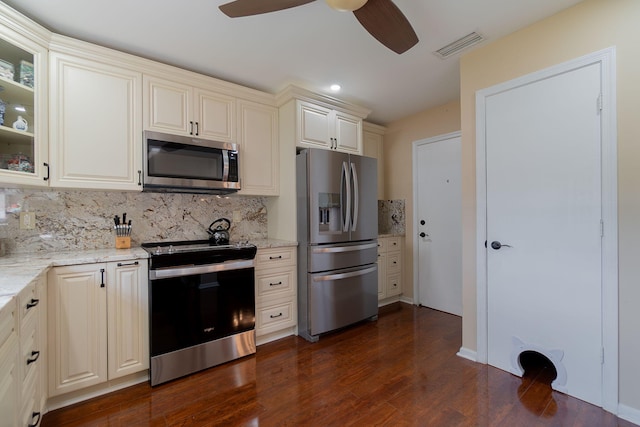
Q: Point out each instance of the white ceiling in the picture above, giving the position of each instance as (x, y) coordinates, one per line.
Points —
(311, 45)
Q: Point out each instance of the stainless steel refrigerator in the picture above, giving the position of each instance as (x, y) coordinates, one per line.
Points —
(337, 233)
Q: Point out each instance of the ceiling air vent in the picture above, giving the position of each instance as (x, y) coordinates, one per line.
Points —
(459, 45)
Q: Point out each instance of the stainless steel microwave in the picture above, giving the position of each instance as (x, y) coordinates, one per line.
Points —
(174, 163)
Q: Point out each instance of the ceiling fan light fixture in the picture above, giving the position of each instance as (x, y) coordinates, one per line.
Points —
(346, 5)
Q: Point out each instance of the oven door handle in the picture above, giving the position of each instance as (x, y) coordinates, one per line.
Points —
(191, 270)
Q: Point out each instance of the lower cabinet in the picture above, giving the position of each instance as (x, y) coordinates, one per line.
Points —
(276, 289)
(389, 267)
(99, 318)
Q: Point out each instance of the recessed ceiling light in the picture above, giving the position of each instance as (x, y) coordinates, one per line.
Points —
(335, 87)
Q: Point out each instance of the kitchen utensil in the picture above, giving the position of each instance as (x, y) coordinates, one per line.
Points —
(219, 231)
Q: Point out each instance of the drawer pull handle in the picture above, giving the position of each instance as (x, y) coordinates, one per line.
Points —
(276, 257)
(127, 265)
(275, 284)
(275, 316)
(35, 355)
(394, 262)
(102, 285)
(36, 416)
(32, 303)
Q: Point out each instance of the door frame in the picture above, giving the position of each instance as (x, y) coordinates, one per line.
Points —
(606, 59)
(416, 252)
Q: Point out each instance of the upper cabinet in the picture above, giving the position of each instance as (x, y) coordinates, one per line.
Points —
(177, 108)
(320, 121)
(259, 151)
(373, 138)
(96, 118)
(327, 128)
(23, 94)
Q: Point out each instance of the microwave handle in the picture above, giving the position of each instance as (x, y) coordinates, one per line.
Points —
(225, 160)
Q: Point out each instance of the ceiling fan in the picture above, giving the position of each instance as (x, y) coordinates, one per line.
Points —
(381, 18)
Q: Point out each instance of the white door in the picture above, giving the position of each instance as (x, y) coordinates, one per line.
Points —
(543, 183)
(439, 225)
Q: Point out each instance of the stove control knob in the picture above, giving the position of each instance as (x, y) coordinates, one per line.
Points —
(171, 250)
(158, 250)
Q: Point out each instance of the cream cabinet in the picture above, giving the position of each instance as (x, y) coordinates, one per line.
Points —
(372, 146)
(96, 121)
(178, 108)
(276, 290)
(98, 324)
(9, 369)
(23, 79)
(389, 267)
(327, 128)
(259, 151)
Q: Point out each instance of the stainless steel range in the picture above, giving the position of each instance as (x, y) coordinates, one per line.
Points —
(201, 306)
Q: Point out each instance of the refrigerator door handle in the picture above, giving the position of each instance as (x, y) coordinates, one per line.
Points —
(345, 184)
(340, 249)
(331, 277)
(354, 177)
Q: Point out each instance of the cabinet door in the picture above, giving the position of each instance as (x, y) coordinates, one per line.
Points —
(382, 275)
(260, 158)
(315, 125)
(348, 133)
(167, 106)
(96, 124)
(9, 369)
(372, 147)
(127, 303)
(77, 328)
(23, 149)
(214, 117)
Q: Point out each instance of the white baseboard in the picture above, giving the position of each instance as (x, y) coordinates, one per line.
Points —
(406, 300)
(263, 339)
(465, 353)
(629, 414)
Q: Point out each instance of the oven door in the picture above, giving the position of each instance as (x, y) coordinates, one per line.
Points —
(187, 309)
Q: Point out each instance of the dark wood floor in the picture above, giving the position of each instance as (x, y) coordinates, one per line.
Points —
(401, 370)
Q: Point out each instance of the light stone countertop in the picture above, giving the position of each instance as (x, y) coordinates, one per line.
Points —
(20, 270)
(381, 236)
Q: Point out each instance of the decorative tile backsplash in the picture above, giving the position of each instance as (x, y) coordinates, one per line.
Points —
(391, 217)
(72, 220)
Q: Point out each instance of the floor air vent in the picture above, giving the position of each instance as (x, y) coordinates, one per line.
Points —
(459, 45)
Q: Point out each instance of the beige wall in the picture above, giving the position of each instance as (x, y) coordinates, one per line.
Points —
(398, 139)
(590, 26)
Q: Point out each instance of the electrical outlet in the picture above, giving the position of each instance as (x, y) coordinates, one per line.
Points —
(27, 220)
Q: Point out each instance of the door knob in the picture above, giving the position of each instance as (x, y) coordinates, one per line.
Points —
(497, 245)
(423, 234)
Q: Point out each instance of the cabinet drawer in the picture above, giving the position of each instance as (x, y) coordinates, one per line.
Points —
(274, 317)
(393, 244)
(28, 302)
(275, 282)
(393, 284)
(394, 262)
(382, 246)
(275, 257)
(29, 348)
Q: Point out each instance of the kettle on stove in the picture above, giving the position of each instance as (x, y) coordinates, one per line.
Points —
(219, 231)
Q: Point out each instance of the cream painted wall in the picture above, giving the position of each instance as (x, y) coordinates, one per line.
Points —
(398, 173)
(587, 27)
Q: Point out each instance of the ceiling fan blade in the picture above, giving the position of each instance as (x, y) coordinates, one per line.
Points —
(239, 8)
(384, 21)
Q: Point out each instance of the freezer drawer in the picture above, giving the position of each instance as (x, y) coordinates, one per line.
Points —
(340, 298)
(345, 255)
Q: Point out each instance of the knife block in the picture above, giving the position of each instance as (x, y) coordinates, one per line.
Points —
(123, 242)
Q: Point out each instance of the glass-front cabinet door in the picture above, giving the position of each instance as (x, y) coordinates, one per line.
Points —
(23, 118)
